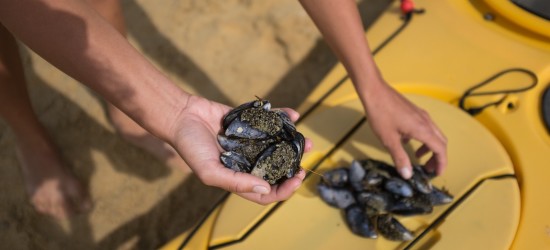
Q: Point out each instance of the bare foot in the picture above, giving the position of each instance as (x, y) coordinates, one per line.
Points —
(138, 136)
(53, 189)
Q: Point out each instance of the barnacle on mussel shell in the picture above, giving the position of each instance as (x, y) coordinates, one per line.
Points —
(261, 141)
(370, 192)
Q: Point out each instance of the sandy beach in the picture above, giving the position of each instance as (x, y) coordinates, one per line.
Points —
(227, 51)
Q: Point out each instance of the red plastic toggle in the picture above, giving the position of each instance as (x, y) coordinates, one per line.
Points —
(407, 6)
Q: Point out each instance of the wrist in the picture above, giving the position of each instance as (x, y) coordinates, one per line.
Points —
(181, 107)
(369, 86)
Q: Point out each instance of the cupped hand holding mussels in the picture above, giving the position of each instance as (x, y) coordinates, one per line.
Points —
(370, 192)
(261, 141)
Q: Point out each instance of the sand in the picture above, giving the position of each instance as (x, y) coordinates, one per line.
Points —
(227, 51)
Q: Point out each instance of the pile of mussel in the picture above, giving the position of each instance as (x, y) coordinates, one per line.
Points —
(261, 141)
(370, 192)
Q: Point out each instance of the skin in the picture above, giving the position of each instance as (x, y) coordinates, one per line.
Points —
(52, 187)
(125, 126)
(340, 24)
(76, 39)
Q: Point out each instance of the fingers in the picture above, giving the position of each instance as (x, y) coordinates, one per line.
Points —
(308, 145)
(433, 141)
(279, 192)
(235, 182)
(294, 116)
(431, 165)
(249, 186)
(437, 144)
(400, 157)
(284, 190)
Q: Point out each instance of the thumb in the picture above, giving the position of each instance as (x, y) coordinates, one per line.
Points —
(400, 159)
(238, 182)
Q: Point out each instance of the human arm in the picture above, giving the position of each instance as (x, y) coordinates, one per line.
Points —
(340, 24)
(74, 38)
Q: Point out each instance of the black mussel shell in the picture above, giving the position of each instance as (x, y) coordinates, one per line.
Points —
(336, 197)
(261, 141)
(359, 223)
(392, 229)
(371, 191)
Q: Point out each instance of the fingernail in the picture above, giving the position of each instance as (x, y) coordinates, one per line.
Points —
(260, 190)
(405, 172)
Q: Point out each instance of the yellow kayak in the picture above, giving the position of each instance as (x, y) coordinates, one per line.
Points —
(481, 69)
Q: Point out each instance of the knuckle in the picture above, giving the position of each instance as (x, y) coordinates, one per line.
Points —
(401, 160)
(236, 188)
(238, 185)
(389, 143)
(424, 119)
(424, 129)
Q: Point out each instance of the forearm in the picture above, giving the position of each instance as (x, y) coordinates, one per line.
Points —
(74, 38)
(340, 23)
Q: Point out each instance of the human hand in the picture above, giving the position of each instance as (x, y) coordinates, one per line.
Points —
(395, 120)
(195, 136)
